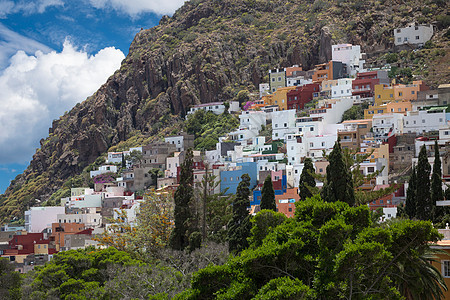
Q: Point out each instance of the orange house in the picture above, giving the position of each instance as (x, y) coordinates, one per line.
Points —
(286, 202)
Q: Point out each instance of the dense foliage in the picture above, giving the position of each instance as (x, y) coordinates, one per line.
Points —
(328, 251)
(208, 127)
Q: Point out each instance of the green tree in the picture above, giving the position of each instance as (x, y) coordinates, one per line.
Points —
(239, 225)
(155, 173)
(268, 195)
(307, 181)
(410, 203)
(10, 281)
(135, 157)
(424, 207)
(437, 193)
(123, 163)
(183, 197)
(339, 183)
(330, 250)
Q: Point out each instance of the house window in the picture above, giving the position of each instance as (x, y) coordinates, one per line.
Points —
(273, 79)
(285, 124)
(311, 144)
(423, 120)
(446, 268)
(417, 37)
(391, 95)
(405, 39)
(311, 128)
(371, 169)
(320, 170)
(399, 40)
(399, 30)
(400, 94)
(290, 209)
(279, 78)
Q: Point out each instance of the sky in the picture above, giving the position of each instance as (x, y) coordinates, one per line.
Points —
(54, 54)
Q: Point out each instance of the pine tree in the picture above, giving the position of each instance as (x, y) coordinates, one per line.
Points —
(339, 183)
(423, 197)
(239, 225)
(268, 195)
(307, 181)
(179, 238)
(437, 193)
(410, 204)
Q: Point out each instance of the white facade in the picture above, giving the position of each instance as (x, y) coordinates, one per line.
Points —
(298, 81)
(104, 169)
(424, 121)
(178, 141)
(283, 122)
(250, 124)
(116, 157)
(413, 34)
(343, 88)
(171, 165)
(295, 150)
(385, 125)
(264, 89)
(40, 218)
(350, 55)
(444, 133)
(316, 144)
(215, 107)
(332, 113)
(90, 220)
(389, 212)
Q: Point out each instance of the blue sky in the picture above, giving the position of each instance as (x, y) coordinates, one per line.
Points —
(55, 53)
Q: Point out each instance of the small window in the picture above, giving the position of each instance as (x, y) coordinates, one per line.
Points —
(423, 120)
(290, 209)
(446, 268)
(311, 128)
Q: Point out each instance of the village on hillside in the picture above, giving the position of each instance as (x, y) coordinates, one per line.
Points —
(299, 114)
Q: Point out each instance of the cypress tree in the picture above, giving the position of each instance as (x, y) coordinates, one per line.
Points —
(410, 204)
(179, 238)
(339, 184)
(239, 225)
(124, 165)
(423, 196)
(306, 179)
(437, 193)
(268, 195)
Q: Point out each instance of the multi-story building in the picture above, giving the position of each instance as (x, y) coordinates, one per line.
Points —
(251, 123)
(104, 169)
(350, 55)
(183, 141)
(354, 133)
(283, 122)
(342, 88)
(154, 155)
(328, 71)
(364, 83)
(398, 92)
(39, 218)
(432, 119)
(386, 125)
(297, 98)
(277, 79)
(231, 176)
(413, 34)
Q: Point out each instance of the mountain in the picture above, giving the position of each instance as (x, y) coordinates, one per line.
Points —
(208, 51)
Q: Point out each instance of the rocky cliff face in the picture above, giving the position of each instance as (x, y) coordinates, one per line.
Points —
(208, 51)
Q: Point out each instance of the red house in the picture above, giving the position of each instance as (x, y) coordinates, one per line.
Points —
(364, 83)
(296, 99)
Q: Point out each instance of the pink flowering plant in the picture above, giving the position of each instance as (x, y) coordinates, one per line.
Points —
(105, 178)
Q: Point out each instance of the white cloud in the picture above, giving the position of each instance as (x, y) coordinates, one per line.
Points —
(11, 42)
(26, 7)
(135, 7)
(35, 89)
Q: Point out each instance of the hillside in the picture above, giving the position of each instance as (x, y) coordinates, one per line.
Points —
(208, 51)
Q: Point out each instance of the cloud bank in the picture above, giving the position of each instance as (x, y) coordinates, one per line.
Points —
(136, 7)
(35, 89)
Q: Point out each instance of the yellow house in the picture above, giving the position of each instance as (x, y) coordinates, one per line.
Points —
(40, 248)
(442, 263)
(399, 107)
(383, 94)
(373, 110)
(398, 92)
(279, 97)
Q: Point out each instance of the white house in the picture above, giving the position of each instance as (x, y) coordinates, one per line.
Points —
(385, 125)
(172, 163)
(250, 124)
(40, 218)
(104, 169)
(264, 89)
(90, 220)
(413, 34)
(424, 121)
(116, 157)
(343, 88)
(297, 81)
(295, 149)
(316, 144)
(350, 55)
(215, 107)
(283, 122)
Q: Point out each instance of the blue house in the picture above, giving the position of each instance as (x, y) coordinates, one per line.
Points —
(279, 187)
(231, 179)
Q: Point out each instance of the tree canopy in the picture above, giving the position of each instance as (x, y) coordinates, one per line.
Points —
(268, 195)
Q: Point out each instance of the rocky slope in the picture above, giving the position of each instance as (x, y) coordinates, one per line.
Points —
(208, 51)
